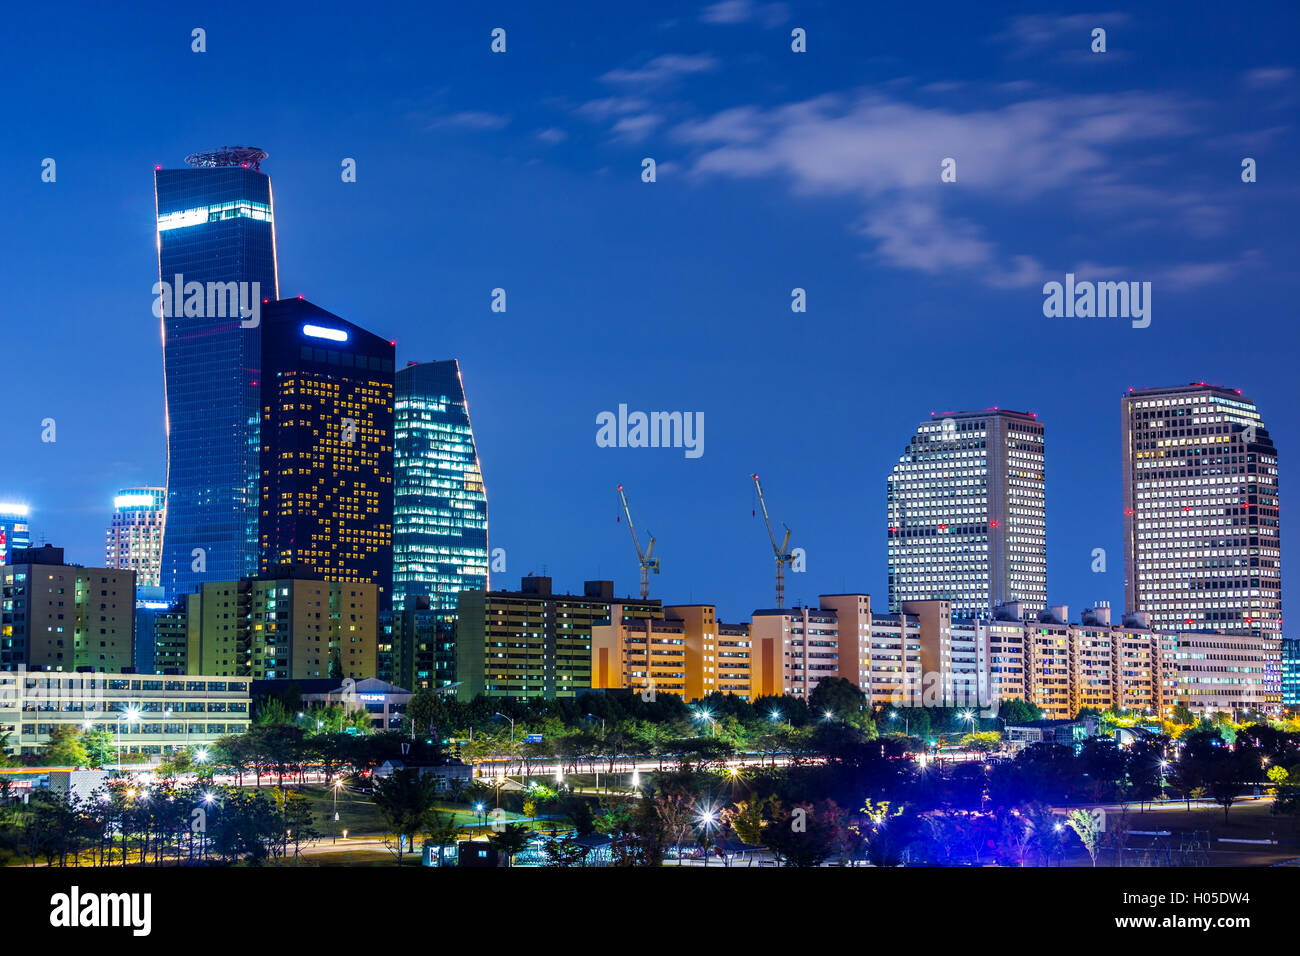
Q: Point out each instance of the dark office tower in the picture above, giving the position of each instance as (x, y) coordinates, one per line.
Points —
(440, 543)
(327, 448)
(968, 514)
(216, 262)
(1201, 544)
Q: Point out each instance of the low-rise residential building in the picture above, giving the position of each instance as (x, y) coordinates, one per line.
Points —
(281, 627)
(56, 616)
(1050, 732)
(794, 649)
(142, 714)
(532, 642)
(385, 703)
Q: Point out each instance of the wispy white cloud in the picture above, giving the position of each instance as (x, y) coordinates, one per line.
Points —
(743, 11)
(1266, 78)
(663, 70)
(636, 128)
(470, 119)
(886, 153)
(1035, 33)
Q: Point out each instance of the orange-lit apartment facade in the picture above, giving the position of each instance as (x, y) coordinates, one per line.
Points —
(686, 652)
(922, 657)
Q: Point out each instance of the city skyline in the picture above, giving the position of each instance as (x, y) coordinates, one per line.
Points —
(491, 159)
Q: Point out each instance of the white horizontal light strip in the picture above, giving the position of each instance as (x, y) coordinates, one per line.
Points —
(320, 332)
(243, 209)
(133, 501)
(7, 508)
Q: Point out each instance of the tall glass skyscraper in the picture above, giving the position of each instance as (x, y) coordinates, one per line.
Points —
(968, 514)
(1202, 549)
(216, 237)
(327, 448)
(440, 545)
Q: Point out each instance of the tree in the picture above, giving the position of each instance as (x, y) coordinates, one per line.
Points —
(1085, 825)
(677, 811)
(1224, 785)
(64, 748)
(836, 696)
(1017, 711)
(749, 817)
(442, 831)
(99, 744)
(983, 741)
(1044, 828)
(803, 837)
(511, 839)
(566, 852)
(406, 799)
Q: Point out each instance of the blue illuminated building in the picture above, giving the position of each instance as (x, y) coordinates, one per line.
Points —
(216, 262)
(440, 543)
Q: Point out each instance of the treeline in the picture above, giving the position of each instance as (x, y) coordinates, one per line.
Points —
(128, 824)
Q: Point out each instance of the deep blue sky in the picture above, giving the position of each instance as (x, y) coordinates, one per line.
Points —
(776, 170)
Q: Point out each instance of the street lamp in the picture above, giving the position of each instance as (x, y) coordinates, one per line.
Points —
(713, 724)
(708, 820)
(893, 715)
(130, 716)
(512, 724)
(337, 785)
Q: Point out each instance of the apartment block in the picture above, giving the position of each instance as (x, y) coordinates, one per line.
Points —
(56, 616)
(533, 642)
(282, 628)
(689, 653)
(794, 649)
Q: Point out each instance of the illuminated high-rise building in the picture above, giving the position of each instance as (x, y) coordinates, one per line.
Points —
(327, 448)
(134, 537)
(1201, 544)
(216, 261)
(440, 544)
(968, 514)
(15, 531)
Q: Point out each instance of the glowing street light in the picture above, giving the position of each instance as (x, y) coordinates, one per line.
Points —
(713, 724)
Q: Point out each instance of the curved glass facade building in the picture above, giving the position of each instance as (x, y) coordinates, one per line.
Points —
(216, 262)
(440, 545)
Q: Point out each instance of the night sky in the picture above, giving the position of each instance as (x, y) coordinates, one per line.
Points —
(776, 170)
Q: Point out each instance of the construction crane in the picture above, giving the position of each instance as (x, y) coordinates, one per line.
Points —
(782, 551)
(644, 559)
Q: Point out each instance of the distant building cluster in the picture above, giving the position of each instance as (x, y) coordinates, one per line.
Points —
(324, 518)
